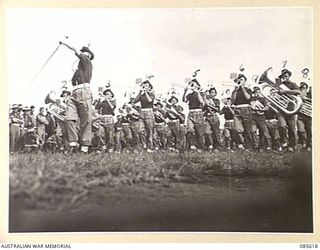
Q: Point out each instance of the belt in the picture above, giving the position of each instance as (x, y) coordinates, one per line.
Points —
(146, 109)
(15, 124)
(160, 123)
(243, 106)
(195, 110)
(271, 120)
(212, 115)
(107, 116)
(80, 86)
(174, 120)
(230, 120)
(126, 124)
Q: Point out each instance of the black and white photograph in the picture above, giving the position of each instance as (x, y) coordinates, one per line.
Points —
(160, 120)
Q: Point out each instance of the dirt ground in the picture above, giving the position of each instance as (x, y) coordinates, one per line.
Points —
(226, 204)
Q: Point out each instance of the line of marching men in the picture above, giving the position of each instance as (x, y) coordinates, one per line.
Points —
(148, 123)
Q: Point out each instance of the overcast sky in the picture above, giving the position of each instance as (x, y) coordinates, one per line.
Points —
(168, 43)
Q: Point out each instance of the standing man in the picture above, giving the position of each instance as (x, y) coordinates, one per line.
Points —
(173, 116)
(42, 122)
(288, 122)
(106, 107)
(211, 113)
(304, 122)
(259, 107)
(240, 98)
(195, 121)
(32, 116)
(136, 125)
(229, 132)
(146, 98)
(15, 123)
(160, 126)
(82, 98)
(272, 124)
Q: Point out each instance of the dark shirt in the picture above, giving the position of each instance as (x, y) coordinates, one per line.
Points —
(290, 85)
(171, 116)
(144, 102)
(105, 108)
(136, 107)
(133, 117)
(260, 99)
(240, 98)
(182, 118)
(228, 115)
(84, 72)
(270, 114)
(159, 115)
(212, 108)
(51, 127)
(309, 95)
(193, 101)
(118, 125)
(30, 121)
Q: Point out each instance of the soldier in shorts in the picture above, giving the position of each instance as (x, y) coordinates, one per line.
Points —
(195, 120)
(240, 98)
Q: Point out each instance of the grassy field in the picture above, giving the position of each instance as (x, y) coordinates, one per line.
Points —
(59, 180)
(240, 191)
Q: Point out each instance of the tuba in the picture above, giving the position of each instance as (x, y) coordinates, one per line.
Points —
(289, 104)
(55, 108)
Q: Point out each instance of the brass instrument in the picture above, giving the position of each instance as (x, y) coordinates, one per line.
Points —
(289, 104)
(178, 85)
(258, 107)
(229, 84)
(191, 85)
(55, 108)
(306, 107)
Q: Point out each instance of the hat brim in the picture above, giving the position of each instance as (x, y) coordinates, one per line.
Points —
(159, 103)
(173, 97)
(89, 51)
(180, 108)
(108, 90)
(66, 92)
(151, 86)
(286, 72)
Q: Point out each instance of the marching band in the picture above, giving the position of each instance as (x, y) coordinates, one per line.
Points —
(274, 116)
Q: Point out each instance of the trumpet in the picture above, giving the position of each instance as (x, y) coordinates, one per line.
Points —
(144, 89)
(231, 84)
(178, 85)
(289, 104)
